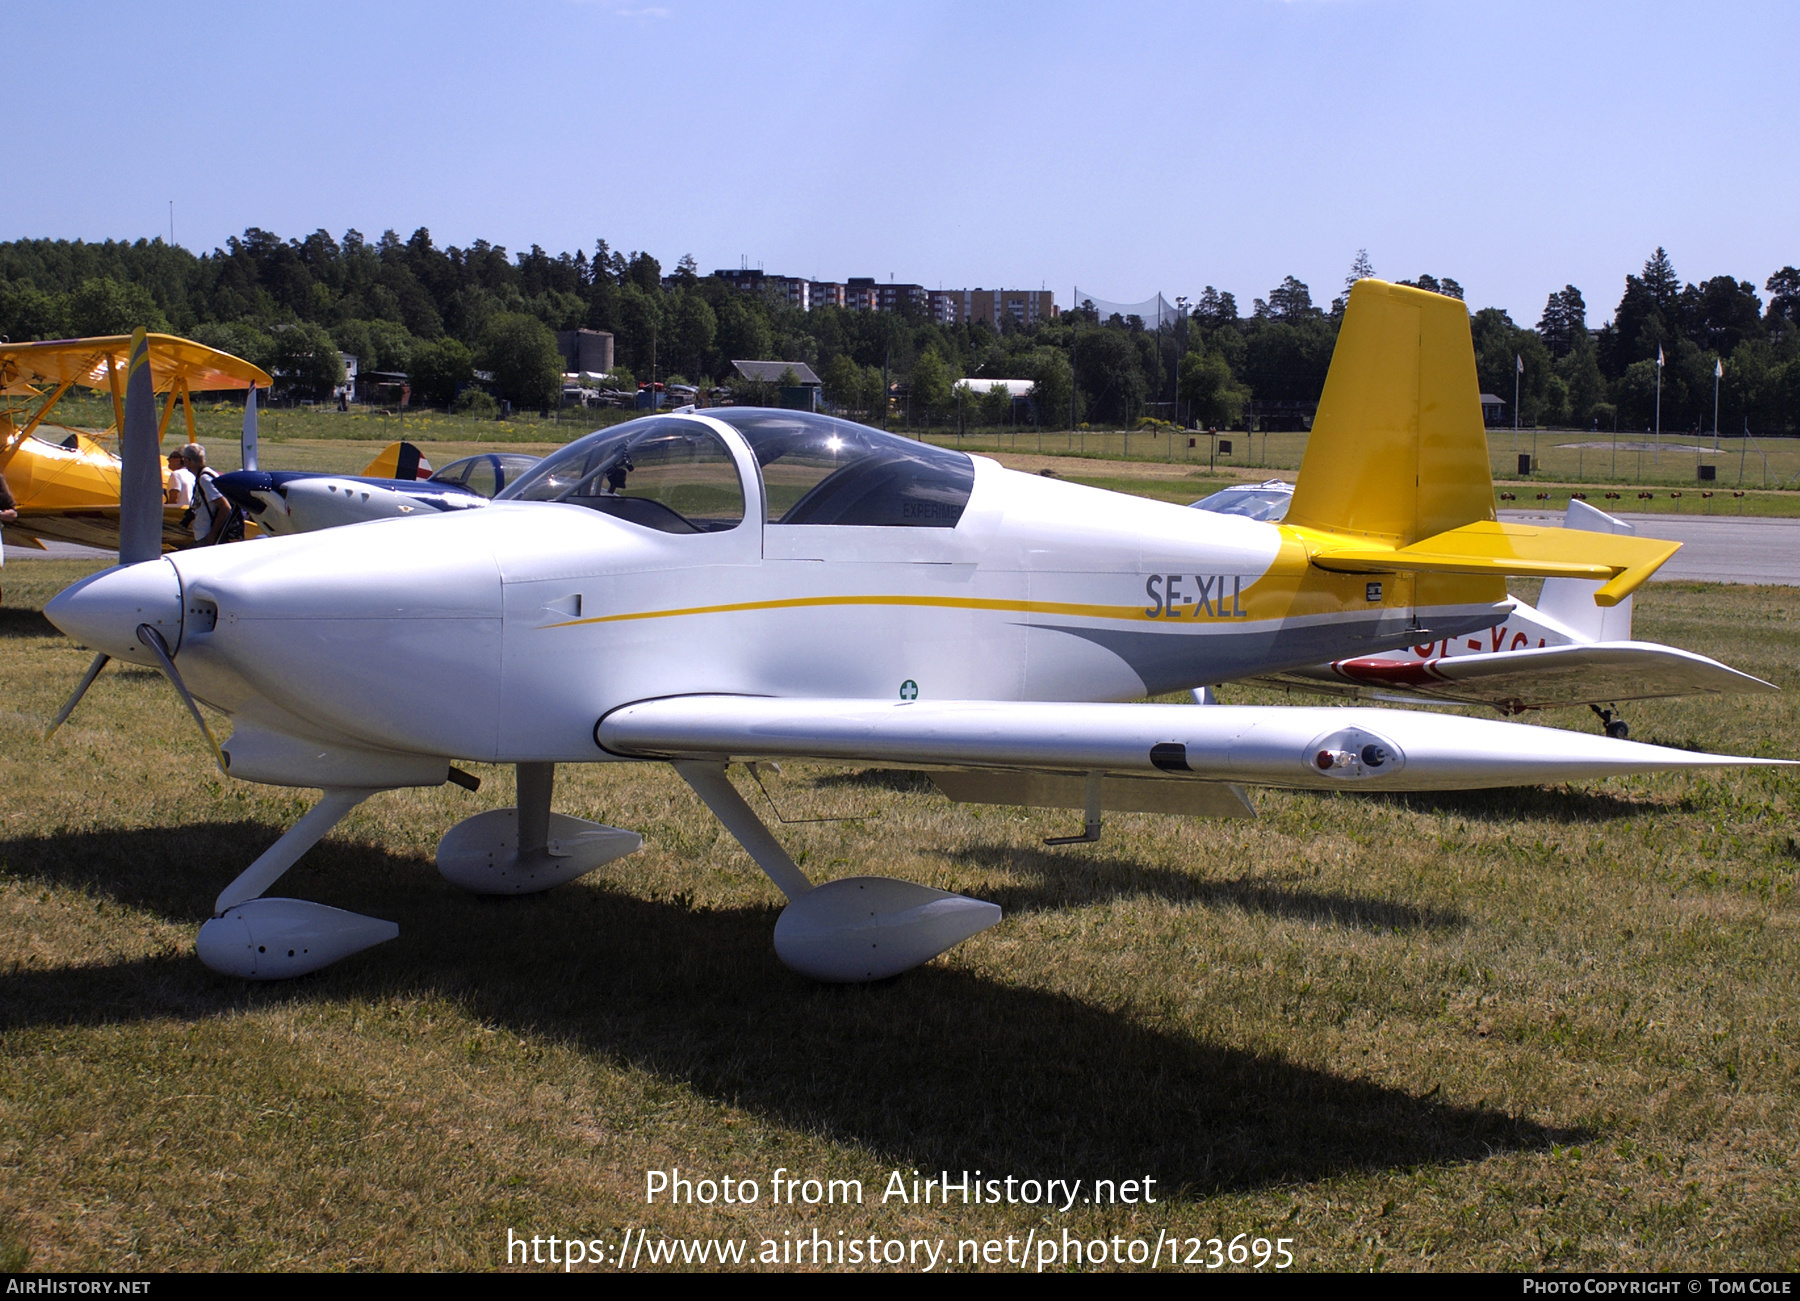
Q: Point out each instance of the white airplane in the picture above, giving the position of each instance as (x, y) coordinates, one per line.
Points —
(745, 584)
(1564, 651)
(397, 484)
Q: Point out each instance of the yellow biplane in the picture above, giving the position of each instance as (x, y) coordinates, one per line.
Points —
(65, 481)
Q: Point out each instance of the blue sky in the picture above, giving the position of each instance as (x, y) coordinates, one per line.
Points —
(1127, 147)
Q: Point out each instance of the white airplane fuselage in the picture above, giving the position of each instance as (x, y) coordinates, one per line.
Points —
(755, 583)
(504, 634)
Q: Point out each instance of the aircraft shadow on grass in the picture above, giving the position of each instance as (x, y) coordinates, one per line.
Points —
(1070, 880)
(906, 781)
(1511, 804)
(939, 1069)
(1514, 804)
(16, 622)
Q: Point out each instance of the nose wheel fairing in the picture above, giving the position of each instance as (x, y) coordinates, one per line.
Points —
(483, 855)
(254, 938)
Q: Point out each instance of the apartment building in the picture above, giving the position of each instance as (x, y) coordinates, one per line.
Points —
(1021, 306)
(861, 294)
(942, 305)
(866, 294)
(792, 290)
(892, 298)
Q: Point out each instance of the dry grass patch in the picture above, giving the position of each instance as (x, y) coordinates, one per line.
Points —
(1542, 1028)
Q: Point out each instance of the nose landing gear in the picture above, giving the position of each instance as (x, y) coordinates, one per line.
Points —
(526, 849)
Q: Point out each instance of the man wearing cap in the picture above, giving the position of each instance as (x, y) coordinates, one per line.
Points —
(180, 491)
(210, 509)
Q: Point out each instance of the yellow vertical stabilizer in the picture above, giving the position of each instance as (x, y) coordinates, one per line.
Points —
(1397, 452)
(398, 460)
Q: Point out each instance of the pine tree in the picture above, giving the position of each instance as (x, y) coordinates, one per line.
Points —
(1663, 284)
(1564, 320)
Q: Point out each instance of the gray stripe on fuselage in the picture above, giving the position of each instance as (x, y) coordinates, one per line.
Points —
(1174, 661)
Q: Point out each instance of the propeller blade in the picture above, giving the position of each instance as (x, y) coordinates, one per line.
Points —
(140, 462)
(87, 680)
(160, 648)
(249, 438)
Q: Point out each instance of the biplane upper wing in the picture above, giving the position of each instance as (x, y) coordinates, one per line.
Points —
(174, 363)
(68, 490)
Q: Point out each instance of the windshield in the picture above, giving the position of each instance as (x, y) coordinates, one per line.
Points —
(660, 472)
(820, 470)
(1267, 501)
(486, 473)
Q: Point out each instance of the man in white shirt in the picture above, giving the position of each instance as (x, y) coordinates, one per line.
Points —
(180, 491)
(211, 511)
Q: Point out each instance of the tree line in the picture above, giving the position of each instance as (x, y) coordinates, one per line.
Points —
(439, 314)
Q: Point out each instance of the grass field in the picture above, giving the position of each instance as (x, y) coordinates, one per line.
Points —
(1765, 470)
(1550, 1028)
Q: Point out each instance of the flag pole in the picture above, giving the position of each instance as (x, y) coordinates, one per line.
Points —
(1656, 455)
(1718, 374)
(1518, 370)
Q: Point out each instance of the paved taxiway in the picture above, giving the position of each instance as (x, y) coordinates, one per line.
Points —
(58, 551)
(1715, 549)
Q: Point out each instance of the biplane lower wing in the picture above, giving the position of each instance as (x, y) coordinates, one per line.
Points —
(96, 527)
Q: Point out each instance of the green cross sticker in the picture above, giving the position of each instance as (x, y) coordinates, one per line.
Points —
(909, 690)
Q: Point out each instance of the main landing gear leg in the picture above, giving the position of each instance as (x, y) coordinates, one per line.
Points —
(271, 939)
(537, 783)
(1610, 720)
(1091, 833)
(527, 849)
(856, 928)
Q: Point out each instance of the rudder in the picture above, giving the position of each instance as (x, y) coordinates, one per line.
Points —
(1398, 450)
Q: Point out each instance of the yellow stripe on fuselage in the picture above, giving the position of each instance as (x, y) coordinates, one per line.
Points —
(941, 602)
(1291, 588)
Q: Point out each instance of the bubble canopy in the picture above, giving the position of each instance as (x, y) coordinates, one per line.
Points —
(673, 473)
(661, 472)
(485, 473)
(1267, 501)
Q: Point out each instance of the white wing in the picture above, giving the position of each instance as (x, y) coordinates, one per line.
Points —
(1313, 748)
(1535, 678)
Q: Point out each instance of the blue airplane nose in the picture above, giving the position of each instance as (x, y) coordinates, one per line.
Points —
(103, 612)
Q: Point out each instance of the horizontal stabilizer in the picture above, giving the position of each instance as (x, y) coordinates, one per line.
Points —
(1543, 677)
(1316, 748)
(1621, 564)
